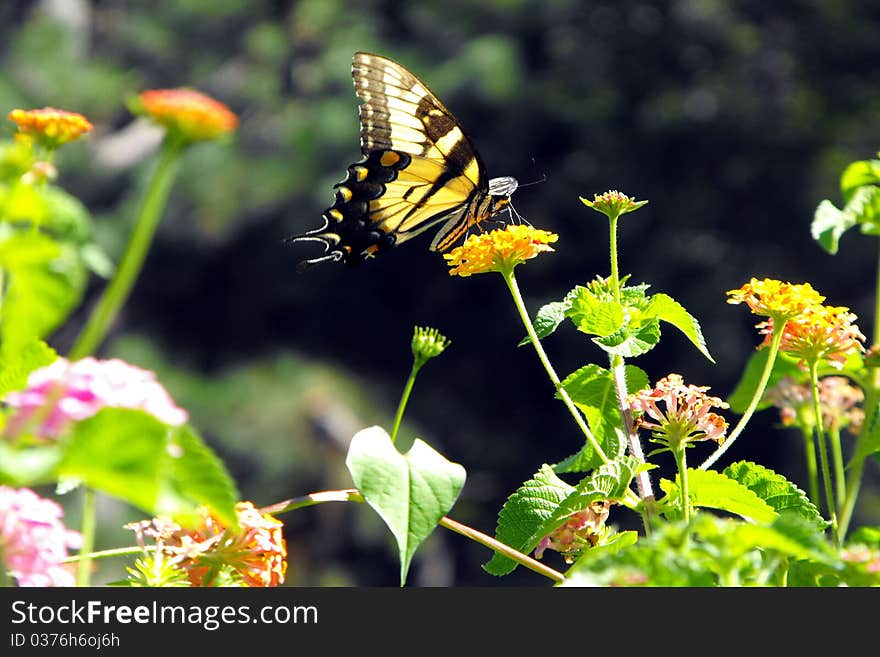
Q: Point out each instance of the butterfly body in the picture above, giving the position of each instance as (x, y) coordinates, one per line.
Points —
(418, 169)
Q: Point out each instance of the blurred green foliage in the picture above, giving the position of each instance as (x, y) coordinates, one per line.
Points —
(734, 118)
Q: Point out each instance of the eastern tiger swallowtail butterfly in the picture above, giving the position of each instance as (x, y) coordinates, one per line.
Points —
(418, 169)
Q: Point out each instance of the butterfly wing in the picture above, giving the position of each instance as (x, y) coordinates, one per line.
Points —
(418, 167)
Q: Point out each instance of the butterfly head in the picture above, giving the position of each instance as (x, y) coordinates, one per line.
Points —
(500, 190)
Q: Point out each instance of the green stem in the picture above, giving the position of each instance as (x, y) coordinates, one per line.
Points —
(772, 350)
(106, 554)
(823, 451)
(684, 494)
(643, 479)
(856, 467)
(510, 279)
(352, 495)
(87, 529)
(404, 398)
(837, 460)
(615, 278)
(117, 291)
(5, 577)
(812, 470)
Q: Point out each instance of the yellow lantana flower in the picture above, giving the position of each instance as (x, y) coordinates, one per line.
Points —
(498, 250)
(49, 126)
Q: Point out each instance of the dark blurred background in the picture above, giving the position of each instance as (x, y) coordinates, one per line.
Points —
(734, 119)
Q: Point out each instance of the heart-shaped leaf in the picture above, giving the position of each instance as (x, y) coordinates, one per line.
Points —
(411, 492)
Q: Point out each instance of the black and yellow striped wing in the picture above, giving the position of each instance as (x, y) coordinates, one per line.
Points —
(418, 169)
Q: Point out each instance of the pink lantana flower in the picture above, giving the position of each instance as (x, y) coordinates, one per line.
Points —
(33, 540)
(64, 392)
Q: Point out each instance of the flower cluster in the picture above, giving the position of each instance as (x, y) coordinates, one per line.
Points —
(33, 540)
(612, 203)
(255, 554)
(427, 343)
(811, 332)
(50, 127)
(498, 250)
(838, 401)
(187, 113)
(776, 299)
(64, 392)
(686, 416)
(582, 529)
(820, 333)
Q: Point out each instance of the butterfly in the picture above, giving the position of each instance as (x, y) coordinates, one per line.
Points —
(418, 169)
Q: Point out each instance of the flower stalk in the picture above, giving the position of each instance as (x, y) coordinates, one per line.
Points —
(823, 451)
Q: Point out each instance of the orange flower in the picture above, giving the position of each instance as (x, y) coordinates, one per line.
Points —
(49, 126)
(776, 299)
(186, 112)
(498, 250)
(256, 553)
(819, 333)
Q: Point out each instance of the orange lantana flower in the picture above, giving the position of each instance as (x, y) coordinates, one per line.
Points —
(498, 250)
(188, 113)
(49, 126)
(819, 333)
(255, 554)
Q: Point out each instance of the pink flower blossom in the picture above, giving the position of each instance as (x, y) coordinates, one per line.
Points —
(33, 540)
(582, 529)
(65, 392)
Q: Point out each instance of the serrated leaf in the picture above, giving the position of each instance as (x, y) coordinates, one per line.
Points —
(17, 362)
(411, 492)
(790, 534)
(524, 511)
(131, 455)
(667, 309)
(548, 319)
(781, 494)
(525, 526)
(592, 390)
(742, 394)
(711, 489)
(858, 174)
(595, 317)
(631, 341)
(829, 224)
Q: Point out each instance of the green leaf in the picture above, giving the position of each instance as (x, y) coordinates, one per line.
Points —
(537, 510)
(742, 394)
(411, 492)
(46, 281)
(864, 208)
(869, 442)
(829, 224)
(592, 390)
(612, 546)
(593, 315)
(775, 490)
(711, 489)
(28, 466)
(523, 512)
(858, 174)
(667, 309)
(131, 455)
(16, 363)
(192, 475)
(548, 319)
(631, 341)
